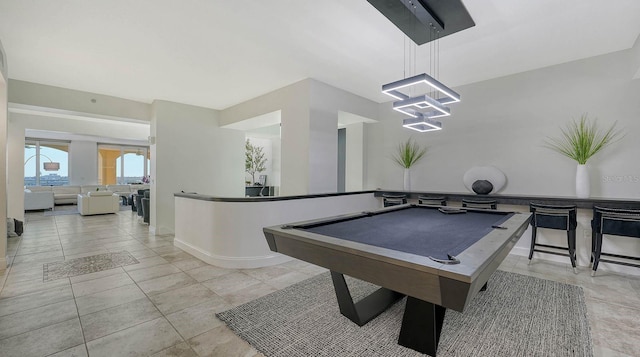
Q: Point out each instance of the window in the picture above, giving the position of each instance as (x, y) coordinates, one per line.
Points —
(46, 163)
(122, 164)
(134, 169)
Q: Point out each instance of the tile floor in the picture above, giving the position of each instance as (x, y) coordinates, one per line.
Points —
(166, 304)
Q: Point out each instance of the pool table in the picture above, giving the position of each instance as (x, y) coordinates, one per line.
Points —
(439, 257)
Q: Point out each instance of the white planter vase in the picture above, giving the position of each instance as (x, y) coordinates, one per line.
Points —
(407, 180)
(583, 186)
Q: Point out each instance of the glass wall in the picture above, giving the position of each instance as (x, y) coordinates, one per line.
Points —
(46, 163)
(122, 164)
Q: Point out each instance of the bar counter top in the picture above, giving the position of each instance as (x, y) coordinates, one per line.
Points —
(523, 200)
(201, 197)
(510, 199)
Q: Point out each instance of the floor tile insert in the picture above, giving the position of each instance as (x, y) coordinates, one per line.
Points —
(86, 265)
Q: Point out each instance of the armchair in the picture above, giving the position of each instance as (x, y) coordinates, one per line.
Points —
(98, 202)
(38, 200)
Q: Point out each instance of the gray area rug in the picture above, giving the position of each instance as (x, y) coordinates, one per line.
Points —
(517, 316)
(62, 212)
(86, 265)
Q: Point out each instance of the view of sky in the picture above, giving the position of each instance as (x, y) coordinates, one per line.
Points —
(134, 164)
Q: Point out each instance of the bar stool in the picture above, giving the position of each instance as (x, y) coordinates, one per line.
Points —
(614, 221)
(554, 217)
(134, 208)
(432, 200)
(139, 198)
(146, 200)
(483, 204)
(393, 200)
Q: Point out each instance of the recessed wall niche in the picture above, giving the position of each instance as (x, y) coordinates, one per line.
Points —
(268, 139)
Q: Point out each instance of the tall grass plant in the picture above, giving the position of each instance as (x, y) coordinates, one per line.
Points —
(408, 153)
(582, 138)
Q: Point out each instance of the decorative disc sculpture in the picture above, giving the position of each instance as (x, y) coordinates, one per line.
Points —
(484, 180)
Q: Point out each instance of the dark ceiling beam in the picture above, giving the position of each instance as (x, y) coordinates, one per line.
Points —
(448, 16)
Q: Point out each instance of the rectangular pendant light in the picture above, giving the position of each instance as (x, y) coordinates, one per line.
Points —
(413, 106)
(423, 21)
(422, 124)
(392, 89)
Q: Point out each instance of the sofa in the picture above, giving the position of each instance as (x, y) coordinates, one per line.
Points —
(98, 202)
(69, 194)
(122, 190)
(38, 200)
(64, 195)
(61, 194)
(126, 190)
(89, 188)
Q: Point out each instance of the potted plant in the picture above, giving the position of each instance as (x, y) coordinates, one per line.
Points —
(580, 140)
(408, 154)
(254, 160)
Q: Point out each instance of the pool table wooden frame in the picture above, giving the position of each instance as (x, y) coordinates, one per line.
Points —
(430, 286)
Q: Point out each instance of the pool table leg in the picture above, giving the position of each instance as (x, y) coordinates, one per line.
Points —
(421, 326)
(366, 309)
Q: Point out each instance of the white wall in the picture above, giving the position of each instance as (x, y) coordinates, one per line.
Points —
(635, 59)
(40, 95)
(323, 151)
(503, 122)
(191, 153)
(293, 103)
(276, 165)
(355, 159)
(309, 119)
(15, 171)
(83, 163)
(3, 156)
(96, 127)
(326, 104)
(203, 228)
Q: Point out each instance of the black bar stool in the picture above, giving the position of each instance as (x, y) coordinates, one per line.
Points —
(393, 200)
(619, 222)
(554, 217)
(138, 201)
(483, 204)
(432, 200)
(146, 209)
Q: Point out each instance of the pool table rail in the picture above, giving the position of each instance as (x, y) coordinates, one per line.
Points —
(383, 267)
(451, 286)
(480, 260)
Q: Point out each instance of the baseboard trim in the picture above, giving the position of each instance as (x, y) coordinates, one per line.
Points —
(154, 231)
(232, 262)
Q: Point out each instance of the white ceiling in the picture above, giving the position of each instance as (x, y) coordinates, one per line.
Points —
(219, 53)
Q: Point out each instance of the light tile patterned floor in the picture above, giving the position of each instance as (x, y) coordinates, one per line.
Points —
(166, 304)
